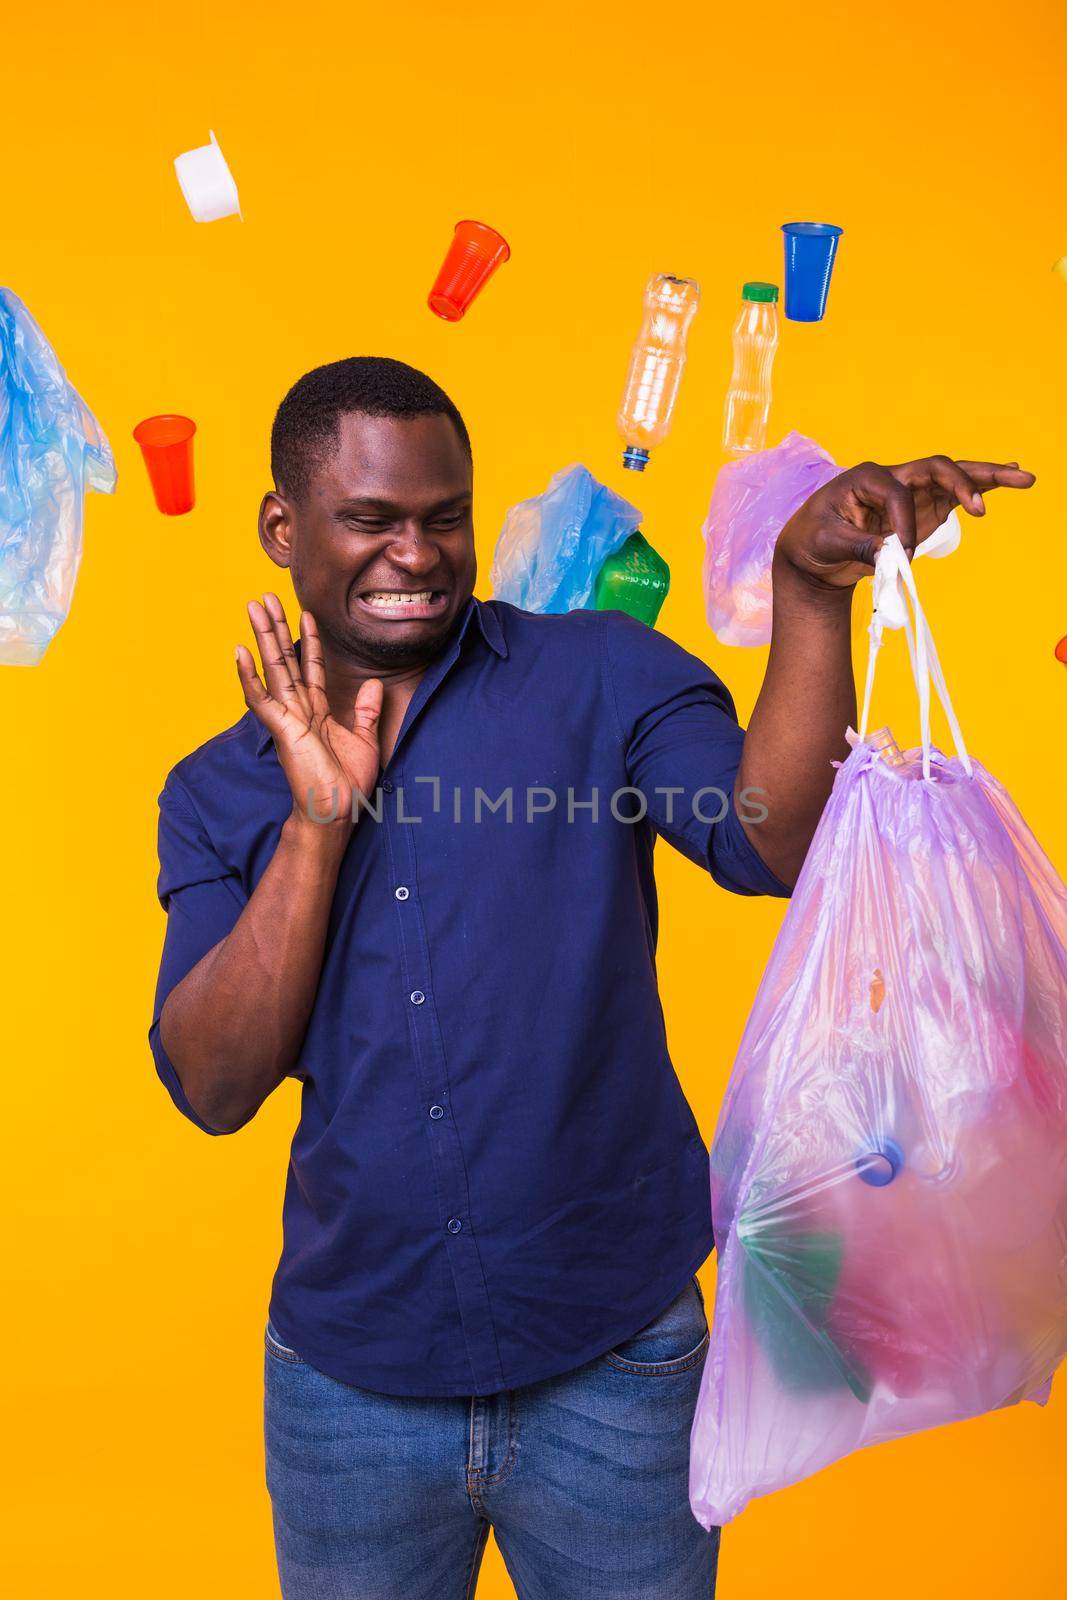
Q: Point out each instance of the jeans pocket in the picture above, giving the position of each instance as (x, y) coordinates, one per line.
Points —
(281, 1351)
(675, 1341)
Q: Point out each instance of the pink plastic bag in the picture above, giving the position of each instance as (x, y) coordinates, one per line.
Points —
(889, 1174)
(752, 501)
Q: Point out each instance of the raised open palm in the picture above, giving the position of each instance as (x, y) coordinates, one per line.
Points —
(323, 760)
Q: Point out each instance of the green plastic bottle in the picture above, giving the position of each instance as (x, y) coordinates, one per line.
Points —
(635, 579)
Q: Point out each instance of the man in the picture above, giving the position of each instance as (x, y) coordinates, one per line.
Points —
(417, 875)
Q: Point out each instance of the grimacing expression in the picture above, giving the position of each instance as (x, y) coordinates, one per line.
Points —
(380, 546)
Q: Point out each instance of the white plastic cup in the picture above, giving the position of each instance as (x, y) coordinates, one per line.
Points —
(207, 183)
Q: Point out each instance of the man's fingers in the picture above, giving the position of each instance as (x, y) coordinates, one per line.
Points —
(998, 475)
(275, 668)
(956, 482)
(257, 699)
(276, 612)
(314, 666)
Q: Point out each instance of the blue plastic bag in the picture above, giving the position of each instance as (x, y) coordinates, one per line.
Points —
(552, 547)
(51, 451)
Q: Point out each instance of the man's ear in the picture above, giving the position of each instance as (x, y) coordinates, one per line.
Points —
(276, 528)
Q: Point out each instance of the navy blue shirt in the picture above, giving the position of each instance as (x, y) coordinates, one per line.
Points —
(496, 1176)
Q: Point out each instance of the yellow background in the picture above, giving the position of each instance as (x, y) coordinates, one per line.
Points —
(606, 142)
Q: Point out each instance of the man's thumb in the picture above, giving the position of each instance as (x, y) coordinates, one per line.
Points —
(369, 707)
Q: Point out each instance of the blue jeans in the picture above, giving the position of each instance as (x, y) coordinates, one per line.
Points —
(583, 1479)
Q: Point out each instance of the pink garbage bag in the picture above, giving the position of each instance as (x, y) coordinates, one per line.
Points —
(753, 499)
(889, 1174)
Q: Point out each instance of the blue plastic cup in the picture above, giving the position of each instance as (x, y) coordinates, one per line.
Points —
(810, 248)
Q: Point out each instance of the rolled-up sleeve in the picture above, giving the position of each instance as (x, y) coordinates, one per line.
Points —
(683, 749)
(203, 900)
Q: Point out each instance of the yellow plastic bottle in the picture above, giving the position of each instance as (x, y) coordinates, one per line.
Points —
(656, 366)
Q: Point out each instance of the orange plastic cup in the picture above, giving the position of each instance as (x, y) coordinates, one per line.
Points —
(167, 446)
(473, 256)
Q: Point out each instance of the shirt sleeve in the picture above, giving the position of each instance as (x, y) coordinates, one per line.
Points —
(203, 899)
(683, 749)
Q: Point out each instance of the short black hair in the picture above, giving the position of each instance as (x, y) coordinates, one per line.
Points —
(377, 386)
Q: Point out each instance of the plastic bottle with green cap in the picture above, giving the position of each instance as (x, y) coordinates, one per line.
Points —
(748, 399)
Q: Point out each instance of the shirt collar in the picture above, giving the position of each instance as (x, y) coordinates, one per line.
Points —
(491, 630)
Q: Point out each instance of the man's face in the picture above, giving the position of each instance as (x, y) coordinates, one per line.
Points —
(381, 544)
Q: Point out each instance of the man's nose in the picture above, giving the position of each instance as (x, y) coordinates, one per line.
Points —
(412, 551)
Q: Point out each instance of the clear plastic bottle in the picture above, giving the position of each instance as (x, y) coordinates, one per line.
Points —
(656, 366)
(748, 399)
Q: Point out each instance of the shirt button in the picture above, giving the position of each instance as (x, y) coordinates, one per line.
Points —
(402, 893)
(454, 1225)
(437, 1112)
(387, 786)
(417, 997)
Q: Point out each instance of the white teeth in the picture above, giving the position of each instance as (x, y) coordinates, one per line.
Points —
(384, 597)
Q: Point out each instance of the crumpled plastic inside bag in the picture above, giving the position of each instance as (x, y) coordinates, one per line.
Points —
(51, 451)
(751, 503)
(552, 547)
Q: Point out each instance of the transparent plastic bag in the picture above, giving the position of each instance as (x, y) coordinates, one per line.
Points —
(552, 547)
(51, 451)
(753, 499)
(889, 1173)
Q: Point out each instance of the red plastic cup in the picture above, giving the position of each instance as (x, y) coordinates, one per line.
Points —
(167, 446)
(473, 256)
